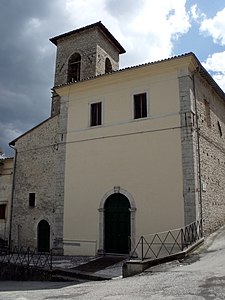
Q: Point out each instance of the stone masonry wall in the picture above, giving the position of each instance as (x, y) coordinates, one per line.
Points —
(6, 178)
(211, 119)
(105, 49)
(92, 59)
(189, 149)
(36, 166)
(83, 45)
(100, 64)
(60, 175)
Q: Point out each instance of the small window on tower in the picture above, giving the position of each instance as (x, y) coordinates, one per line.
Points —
(140, 106)
(2, 211)
(108, 66)
(96, 114)
(74, 68)
(31, 199)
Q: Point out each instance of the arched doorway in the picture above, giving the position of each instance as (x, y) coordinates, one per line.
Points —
(43, 231)
(117, 224)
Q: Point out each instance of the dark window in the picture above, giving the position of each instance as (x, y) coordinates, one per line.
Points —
(2, 211)
(140, 106)
(74, 68)
(96, 114)
(32, 199)
(108, 66)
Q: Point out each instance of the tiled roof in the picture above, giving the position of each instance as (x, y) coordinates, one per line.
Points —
(127, 68)
(99, 25)
(202, 71)
(6, 158)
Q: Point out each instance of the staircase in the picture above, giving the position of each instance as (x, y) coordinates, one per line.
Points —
(87, 271)
(100, 263)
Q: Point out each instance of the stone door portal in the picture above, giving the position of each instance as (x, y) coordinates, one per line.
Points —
(117, 224)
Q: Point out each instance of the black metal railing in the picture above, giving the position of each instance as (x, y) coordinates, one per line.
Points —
(3, 246)
(167, 243)
(28, 257)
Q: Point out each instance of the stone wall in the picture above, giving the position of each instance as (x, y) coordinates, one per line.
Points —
(203, 160)
(93, 47)
(36, 166)
(211, 120)
(6, 178)
(189, 149)
(60, 176)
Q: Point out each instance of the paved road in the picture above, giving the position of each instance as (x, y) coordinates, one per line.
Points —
(200, 277)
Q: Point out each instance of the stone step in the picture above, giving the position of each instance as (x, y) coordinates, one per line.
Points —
(71, 275)
(100, 263)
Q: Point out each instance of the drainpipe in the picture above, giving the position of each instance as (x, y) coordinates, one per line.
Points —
(198, 141)
(12, 196)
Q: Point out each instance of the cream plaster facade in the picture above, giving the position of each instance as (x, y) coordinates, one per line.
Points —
(142, 157)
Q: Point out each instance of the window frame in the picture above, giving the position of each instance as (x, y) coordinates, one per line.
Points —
(136, 93)
(90, 125)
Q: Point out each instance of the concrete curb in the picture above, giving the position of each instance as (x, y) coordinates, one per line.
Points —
(134, 267)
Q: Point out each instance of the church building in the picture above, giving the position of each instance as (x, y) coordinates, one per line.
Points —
(125, 152)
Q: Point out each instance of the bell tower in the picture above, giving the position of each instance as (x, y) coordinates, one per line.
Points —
(85, 52)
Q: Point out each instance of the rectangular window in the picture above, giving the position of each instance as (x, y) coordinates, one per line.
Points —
(2, 211)
(96, 114)
(140, 106)
(31, 199)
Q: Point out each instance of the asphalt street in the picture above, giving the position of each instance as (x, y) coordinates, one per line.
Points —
(201, 276)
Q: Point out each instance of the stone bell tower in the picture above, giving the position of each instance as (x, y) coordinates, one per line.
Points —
(84, 53)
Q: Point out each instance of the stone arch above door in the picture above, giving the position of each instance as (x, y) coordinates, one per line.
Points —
(116, 189)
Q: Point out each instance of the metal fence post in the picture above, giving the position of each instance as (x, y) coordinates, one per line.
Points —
(51, 259)
(142, 248)
(182, 239)
(28, 256)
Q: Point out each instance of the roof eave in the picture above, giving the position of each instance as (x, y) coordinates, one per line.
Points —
(99, 25)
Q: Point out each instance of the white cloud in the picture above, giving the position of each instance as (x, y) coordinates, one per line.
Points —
(196, 14)
(215, 64)
(147, 35)
(215, 27)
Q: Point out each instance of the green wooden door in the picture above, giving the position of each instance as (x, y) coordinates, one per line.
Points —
(117, 224)
(43, 236)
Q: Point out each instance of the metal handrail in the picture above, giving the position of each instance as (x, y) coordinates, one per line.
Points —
(167, 243)
(29, 257)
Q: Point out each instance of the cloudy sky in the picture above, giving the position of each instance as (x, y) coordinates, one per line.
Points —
(149, 30)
